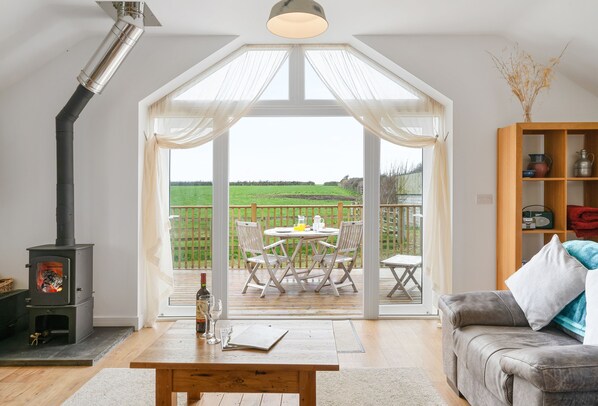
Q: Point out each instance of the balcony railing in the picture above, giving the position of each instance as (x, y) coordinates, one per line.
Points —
(191, 229)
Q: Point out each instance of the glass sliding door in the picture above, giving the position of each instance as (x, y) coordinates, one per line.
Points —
(190, 194)
(403, 287)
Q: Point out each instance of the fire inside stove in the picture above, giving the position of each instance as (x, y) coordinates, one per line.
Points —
(50, 277)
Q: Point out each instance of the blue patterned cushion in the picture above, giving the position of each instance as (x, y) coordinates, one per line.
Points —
(573, 316)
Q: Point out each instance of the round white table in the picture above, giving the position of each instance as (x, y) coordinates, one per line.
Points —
(305, 237)
(289, 232)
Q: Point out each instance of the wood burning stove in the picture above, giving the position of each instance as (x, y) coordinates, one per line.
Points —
(61, 288)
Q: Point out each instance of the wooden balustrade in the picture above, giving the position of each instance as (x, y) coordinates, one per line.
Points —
(191, 229)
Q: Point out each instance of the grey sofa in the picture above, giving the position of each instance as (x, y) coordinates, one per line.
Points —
(492, 357)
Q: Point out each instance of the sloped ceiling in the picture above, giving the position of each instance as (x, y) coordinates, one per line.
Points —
(33, 32)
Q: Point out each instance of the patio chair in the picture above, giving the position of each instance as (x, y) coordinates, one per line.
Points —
(343, 254)
(255, 255)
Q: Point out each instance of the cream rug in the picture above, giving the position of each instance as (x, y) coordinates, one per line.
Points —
(363, 387)
(346, 337)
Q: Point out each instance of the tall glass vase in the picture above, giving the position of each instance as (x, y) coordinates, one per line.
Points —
(527, 112)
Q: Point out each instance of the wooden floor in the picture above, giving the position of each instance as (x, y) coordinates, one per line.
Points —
(388, 343)
(294, 302)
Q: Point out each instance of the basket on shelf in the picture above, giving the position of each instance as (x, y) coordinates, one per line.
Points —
(6, 285)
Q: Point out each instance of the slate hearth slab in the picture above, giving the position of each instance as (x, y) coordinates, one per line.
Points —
(16, 351)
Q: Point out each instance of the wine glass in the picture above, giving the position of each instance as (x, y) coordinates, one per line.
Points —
(213, 314)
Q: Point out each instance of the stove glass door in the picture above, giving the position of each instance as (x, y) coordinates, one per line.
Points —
(49, 281)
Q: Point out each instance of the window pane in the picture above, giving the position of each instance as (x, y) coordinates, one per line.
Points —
(213, 87)
(366, 81)
(278, 89)
(315, 89)
(207, 89)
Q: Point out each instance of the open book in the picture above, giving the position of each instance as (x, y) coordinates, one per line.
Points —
(255, 336)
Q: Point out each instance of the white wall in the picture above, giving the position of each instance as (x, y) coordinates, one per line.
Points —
(106, 163)
(460, 68)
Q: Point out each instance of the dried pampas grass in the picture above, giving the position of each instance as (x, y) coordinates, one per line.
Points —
(525, 76)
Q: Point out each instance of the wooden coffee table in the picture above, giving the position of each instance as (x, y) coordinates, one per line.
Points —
(184, 363)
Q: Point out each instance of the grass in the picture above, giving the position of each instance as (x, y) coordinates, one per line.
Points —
(264, 195)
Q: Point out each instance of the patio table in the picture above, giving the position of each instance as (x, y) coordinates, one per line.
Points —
(305, 237)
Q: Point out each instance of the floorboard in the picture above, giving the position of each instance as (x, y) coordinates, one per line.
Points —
(388, 343)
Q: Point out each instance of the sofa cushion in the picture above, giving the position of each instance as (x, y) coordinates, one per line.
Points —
(562, 368)
(573, 317)
(584, 251)
(480, 348)
(547, 283)
(591, 337)
(473, 308)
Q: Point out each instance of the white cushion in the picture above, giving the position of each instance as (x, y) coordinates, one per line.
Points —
(547, 283)
(591, 337)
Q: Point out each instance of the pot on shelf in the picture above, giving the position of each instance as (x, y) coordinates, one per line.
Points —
(541, 163)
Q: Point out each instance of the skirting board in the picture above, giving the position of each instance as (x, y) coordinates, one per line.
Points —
(105, 321)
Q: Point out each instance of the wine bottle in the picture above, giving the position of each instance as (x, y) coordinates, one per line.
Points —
(201, 302)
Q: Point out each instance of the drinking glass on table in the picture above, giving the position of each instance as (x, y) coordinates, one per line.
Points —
(212, 315)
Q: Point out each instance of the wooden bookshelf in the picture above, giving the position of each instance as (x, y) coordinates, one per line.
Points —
(558, 189)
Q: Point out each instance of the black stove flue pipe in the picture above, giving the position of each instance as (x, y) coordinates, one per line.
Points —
(93, 78)
(65, 193)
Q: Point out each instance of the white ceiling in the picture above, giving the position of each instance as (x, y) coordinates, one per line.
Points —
(34, 31)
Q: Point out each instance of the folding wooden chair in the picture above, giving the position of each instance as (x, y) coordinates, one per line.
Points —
(255, 255)
(344, 254)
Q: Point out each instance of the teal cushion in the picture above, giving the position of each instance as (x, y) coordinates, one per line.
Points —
(573, 316)
(584, 251)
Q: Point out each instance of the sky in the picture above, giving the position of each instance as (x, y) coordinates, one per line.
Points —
(317, 149)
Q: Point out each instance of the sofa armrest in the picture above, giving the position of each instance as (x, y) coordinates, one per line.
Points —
(490, 308)
(569, 368)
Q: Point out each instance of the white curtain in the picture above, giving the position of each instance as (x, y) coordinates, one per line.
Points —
(194, 114)
(401, 114)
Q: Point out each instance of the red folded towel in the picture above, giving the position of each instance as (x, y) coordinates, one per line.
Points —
(581, 213)
(581, 233)
(584, 225)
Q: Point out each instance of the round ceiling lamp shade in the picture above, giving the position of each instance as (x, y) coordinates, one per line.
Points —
(297, 19)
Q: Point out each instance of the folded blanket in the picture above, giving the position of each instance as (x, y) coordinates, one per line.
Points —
(584, 228)
(584, 225)
(580, 233)
(581, 213)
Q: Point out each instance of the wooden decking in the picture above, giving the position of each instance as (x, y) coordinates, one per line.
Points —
(294, 302)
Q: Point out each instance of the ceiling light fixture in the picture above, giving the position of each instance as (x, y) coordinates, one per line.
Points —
(297, 19)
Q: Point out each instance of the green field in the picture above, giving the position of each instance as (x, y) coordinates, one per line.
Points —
(264, 195)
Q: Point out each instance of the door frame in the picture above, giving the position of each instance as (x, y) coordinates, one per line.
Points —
(297, 106)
